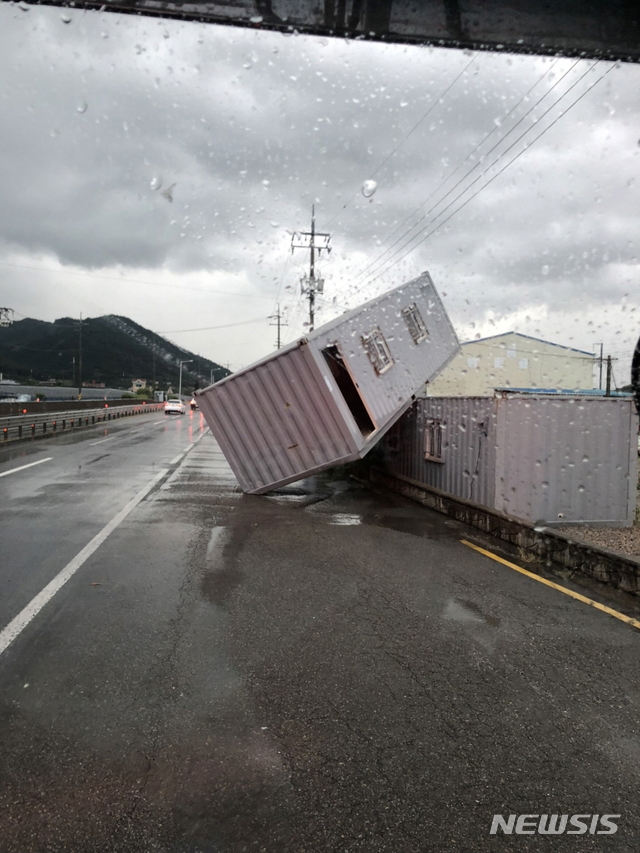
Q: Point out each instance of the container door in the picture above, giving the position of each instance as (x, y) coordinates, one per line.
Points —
(349, 389)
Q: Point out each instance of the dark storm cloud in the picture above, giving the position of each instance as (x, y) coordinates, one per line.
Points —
(105, 115)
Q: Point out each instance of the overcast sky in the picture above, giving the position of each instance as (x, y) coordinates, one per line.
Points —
(105, 118)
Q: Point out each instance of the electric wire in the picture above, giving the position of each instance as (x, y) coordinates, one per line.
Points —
(284, 269)
(293, 319)
(134, 281)
(480, 162)
(362, 270)
(434, 104)
(212, 328)
(493, 178)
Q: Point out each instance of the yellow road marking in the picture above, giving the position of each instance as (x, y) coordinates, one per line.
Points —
(628, 619)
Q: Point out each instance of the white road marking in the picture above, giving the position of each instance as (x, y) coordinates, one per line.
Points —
(188, 449)
(101, 441)
(20, 622)
(22, 467)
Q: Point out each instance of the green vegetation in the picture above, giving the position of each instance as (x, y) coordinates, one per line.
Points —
(145, 393)
(32, 351)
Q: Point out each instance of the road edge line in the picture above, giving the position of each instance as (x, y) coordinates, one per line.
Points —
(20, 622)
(635, 623)
(15, 627)
(22, 467)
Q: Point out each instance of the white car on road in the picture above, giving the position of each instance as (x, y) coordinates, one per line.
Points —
(174, 407)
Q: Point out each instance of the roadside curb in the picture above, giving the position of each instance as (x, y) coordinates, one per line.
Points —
(544, 543)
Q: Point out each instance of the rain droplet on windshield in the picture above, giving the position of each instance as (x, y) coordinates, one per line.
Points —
(369, 188)
(82, 107)
(156, 182)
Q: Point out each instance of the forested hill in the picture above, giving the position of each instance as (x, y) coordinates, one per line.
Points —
(115, 350)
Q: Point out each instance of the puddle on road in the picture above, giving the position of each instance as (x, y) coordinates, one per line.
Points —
(413, 524)
(345, 503)
(345, 518)
(289, 498)
(467, 612)
(215, 544)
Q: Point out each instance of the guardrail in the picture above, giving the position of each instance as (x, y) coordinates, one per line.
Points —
(19, 427)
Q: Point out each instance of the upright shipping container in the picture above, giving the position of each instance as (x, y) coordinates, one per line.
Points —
(328, 398)
(569, 459)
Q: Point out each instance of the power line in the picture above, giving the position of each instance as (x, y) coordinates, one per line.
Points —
(415, 127)
(293, 317)
(134, 281)
(284, 269)
(212, 328)
(371, 263)
(506, 166)
(479, 163)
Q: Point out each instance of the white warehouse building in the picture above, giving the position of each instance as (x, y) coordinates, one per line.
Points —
(512, 360)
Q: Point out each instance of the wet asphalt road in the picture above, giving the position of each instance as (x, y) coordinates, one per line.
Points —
(325, 669)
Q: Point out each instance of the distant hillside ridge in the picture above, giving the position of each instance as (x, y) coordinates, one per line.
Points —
(115, 350)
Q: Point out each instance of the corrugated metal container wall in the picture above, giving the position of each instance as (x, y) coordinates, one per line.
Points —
(328, 398)
(277, 418)
(574, 457)
(538, 458)
(468, 425)
(414, 363)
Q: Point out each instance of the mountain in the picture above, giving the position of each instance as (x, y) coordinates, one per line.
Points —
(115, 350)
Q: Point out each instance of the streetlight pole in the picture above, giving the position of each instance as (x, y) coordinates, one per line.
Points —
(186, 361)
(211, 378)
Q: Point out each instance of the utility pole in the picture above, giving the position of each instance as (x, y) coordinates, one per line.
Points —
(186, 361)
(154, 370)
(608, 391)
(314, 241)
(278, 323)
(80, 359)
(600, 361)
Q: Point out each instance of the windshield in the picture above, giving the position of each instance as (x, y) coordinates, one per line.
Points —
(384, 652)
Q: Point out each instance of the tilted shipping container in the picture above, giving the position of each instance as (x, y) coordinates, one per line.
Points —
(328, 398)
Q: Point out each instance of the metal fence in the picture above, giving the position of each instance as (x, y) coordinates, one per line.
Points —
(51, 423)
